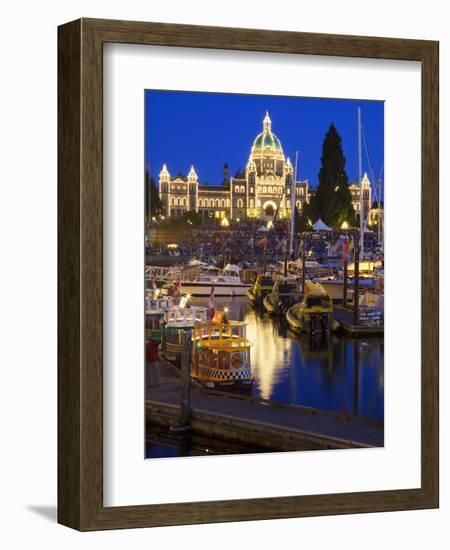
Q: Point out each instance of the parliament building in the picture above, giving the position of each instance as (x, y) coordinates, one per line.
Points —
(261, 192)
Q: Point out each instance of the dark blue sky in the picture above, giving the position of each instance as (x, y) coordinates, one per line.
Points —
(209, 129)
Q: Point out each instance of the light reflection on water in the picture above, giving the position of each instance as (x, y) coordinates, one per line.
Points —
(344, 375)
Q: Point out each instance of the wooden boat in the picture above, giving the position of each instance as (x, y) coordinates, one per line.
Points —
(262, 286)
(285, 293)
(221, 354)
(176, 320)
(314, 313)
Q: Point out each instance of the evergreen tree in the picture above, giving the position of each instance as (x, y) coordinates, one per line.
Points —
(333, 201)
(155, 202)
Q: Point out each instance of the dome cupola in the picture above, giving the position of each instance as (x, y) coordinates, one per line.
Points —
(267, 143)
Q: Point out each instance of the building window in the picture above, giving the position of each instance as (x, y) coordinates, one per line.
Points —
(178, 201)
(252, 203)
(222, 204)
(251, 189)
(200, 202)
(184, 202)
(300, 191)
(239, 203)
(242, 189)
(228, 203)
(264, 189)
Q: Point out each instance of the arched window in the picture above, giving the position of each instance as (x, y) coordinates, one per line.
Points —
(222, 203)
(264, 189)
(242, 189)
(301, 191)
(200, 202)
(217, 203)
(184, 202)
(178, 201)
(173, 201)
(228, 203)
(239, 203)
(211, 202)
(251, 189)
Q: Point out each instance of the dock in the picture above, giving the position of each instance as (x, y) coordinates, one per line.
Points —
(345, 318)
(255, 422)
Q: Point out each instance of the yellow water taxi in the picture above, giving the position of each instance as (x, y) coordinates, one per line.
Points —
(284, 293)
(314, 313)
(221, 354)
(260, 289)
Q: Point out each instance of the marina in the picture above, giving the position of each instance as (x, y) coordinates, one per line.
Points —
(264, 304)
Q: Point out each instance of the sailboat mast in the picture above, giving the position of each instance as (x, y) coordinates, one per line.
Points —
(361, 216)
(293, 198)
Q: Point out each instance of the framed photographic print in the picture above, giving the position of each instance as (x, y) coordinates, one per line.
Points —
(248, 274)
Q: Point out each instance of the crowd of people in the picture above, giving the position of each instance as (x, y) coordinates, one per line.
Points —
(250, 242)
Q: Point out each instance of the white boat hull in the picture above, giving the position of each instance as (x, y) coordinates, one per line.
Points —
(335, 289)
(220, 289)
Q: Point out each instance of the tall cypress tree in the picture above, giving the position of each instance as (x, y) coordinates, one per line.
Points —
(155, 202)
(333, 201)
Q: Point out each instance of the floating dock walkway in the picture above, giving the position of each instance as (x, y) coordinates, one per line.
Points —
(257, 422)
(345, 318)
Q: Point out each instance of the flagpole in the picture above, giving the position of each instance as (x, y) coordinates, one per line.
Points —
(361, 204)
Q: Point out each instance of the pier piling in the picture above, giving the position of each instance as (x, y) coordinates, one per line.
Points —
(185, 384)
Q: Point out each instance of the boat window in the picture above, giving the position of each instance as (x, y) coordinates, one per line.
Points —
(266, 281)
(287, 288)
(312, 301)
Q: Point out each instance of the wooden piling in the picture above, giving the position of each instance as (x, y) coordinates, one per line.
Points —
(344, 297)
(184, 423)
(356, 289)
(303, 267)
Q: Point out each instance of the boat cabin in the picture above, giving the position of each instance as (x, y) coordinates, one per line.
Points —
(221, 353)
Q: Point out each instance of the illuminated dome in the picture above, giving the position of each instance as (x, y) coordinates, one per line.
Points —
(267, 143)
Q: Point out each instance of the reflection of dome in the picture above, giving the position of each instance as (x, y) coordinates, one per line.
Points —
(267, 143)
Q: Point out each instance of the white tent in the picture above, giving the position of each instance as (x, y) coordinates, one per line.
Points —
(321, 226)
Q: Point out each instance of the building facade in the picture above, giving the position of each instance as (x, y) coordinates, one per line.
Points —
(262, 191)
(367, 198)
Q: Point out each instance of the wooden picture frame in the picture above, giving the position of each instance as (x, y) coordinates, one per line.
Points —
(80, 272)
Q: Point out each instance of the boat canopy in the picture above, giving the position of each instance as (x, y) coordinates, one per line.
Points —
(320, 225)
(232, 268)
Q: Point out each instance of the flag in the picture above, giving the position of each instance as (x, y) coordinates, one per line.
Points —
(177, 290)
(261, 242)
(211, 302)
(345, 248)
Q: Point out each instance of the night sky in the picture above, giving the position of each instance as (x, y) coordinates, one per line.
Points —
(209, 129)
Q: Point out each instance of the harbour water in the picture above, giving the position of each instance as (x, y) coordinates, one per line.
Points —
(341, 374)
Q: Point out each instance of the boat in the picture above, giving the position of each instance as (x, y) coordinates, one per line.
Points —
(285, 293)
(227, 282)
(262, 286)
(221, 354)
(155, 307)
(179, 319)
(334, 285)
(314, 313)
